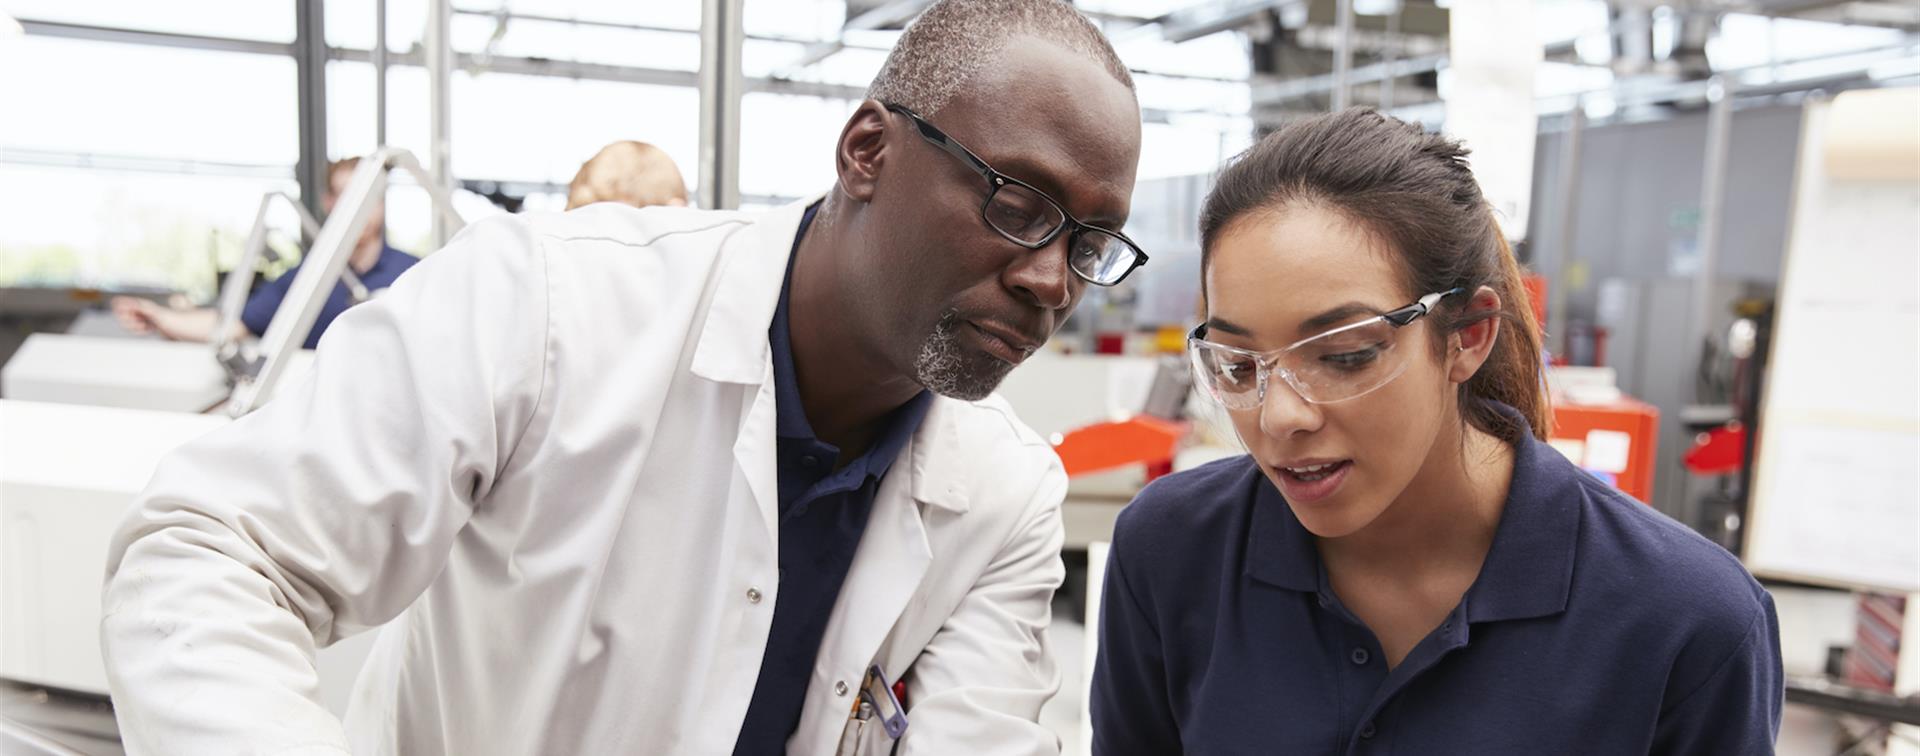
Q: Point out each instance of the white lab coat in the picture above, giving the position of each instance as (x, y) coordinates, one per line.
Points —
(546, 458)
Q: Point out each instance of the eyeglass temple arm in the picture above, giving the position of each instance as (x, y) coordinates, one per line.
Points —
(1427, 302)
(939, 138)
(1421, 307)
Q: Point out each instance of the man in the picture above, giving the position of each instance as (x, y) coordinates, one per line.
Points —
(634, 173)
(669, 481)
(373, 262)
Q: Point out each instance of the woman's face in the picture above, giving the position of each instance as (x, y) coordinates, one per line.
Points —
(1270, 280)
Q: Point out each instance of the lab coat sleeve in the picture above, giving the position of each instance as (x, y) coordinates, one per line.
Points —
(327, 511)
(978, 686)
(1737, 709)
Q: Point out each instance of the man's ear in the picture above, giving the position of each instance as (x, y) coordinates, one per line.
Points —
(861, 150)
(1470, 347)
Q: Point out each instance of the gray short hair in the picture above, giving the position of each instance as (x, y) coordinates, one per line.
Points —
(954, 39)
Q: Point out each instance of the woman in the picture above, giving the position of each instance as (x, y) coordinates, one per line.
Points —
(1400, 564)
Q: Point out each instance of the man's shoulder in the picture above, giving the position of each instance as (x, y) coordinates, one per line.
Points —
(612, 224)
(985, 442)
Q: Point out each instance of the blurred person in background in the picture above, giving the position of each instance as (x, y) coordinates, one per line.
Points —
(374, 263)
(634, 173)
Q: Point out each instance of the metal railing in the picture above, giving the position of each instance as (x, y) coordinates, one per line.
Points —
(323, 266)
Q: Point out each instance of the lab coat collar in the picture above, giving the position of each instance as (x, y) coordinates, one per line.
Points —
(733, 348)
(938, 461)
(733, 341)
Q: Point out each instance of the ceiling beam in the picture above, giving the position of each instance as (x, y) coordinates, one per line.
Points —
(1199, 21)
(896, 13)
(93, 33)
(1273, 92)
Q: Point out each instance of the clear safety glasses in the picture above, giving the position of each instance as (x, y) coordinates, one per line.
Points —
(1344, 363)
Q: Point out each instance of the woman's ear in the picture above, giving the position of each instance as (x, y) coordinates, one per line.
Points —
(1469, 347)
(861, 150)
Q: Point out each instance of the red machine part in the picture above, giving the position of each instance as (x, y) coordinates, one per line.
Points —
(1717, 452)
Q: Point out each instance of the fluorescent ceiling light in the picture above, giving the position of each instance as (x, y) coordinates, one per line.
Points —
(1375, 7)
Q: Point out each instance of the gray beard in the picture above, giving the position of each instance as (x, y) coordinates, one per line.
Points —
(949, 369)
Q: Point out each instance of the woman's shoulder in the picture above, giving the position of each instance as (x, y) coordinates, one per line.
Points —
(1635, 556)
(1175, 511)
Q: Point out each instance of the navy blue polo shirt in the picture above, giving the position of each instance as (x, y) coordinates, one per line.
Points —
(261, 306)
(1596, 626)
(823, 511)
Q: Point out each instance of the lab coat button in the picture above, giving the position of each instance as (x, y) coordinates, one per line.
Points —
(840, 688)
(753, 595)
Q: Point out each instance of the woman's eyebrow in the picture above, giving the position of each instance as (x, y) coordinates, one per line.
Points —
(1336, 315)
(1228, 326)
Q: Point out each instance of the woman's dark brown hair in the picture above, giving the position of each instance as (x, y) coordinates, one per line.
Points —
(1412, 190)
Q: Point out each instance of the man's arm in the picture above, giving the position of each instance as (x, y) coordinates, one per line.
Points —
(978, 686)
(326, 512)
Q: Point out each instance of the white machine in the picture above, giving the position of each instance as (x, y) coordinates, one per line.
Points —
(72, 459)
(102, 371)
(191, 377)
(1055, 393)
(107, 371)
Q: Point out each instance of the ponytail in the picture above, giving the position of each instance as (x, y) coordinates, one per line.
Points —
(1512, 374)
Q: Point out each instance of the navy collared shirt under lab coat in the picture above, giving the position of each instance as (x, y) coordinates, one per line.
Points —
(823, 512)
(1596, 626)
(261, 306)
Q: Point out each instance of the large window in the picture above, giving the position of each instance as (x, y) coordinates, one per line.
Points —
(158, 156)
(786, 145)
(270, 21)
(89, 97)
(126, 164)
(507, 127)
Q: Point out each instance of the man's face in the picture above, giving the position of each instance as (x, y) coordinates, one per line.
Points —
(949, 299)
(377, 217)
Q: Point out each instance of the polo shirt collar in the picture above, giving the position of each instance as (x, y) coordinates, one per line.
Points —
(1529, 568)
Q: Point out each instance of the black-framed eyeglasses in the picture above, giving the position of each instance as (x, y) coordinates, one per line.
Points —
(1028, 217)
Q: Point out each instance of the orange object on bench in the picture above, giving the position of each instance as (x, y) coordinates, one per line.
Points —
(1142, 439)
(1639, 420)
